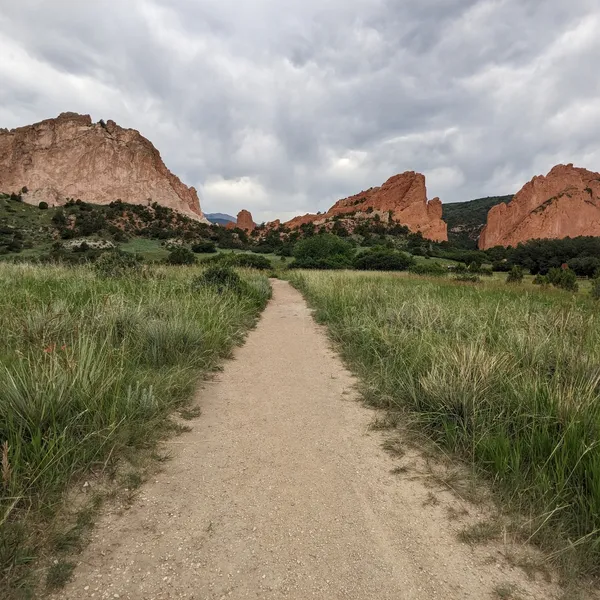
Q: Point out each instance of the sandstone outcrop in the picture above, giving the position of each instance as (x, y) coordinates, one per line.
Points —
(402, 198)
(244, 221)
(564, 203)
(71, 157)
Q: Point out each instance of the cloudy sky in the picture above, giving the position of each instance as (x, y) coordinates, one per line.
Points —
(283, 107)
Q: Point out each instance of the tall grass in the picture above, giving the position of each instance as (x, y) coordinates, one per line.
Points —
(91, 368)
(509, 380)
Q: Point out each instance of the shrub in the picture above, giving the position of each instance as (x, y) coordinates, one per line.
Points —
(515, 275)
(181, 256)
(541, 280)
(205, 247)
(251, 261)
(596, 289)
(467, 278)
(431, 269)
(383, 259)
(564, 279)
(43, 205)
(333, 262)
(117, 263)
(220, 277)
(324, 251)
(59, 218)
(586, 266)
(501, 266)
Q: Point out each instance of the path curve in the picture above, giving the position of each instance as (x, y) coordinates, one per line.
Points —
(281, 490)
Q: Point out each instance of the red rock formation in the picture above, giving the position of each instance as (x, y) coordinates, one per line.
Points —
(71, 157)
(564, 203)
(244, 221)
(403, 197)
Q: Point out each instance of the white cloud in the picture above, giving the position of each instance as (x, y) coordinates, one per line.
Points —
(284, 108)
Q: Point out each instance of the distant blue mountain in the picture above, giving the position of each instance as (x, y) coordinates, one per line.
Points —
(220, 218)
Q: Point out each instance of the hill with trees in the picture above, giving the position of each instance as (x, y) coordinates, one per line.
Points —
(465, 220)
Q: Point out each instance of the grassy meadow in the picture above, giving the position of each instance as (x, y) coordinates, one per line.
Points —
(90, 370)
(507, 377)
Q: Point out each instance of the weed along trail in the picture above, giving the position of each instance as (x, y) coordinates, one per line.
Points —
(282, 490)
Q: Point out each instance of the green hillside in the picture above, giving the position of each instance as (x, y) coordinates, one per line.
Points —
(28, 231)
(466, 219)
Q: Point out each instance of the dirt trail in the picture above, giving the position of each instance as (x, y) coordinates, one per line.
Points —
(281, 490)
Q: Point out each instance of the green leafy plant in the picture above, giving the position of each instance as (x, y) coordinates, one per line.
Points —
(323, 251)
(220, 277)
(383, 259)
(564, 279)
(515, 275)
(541, 280)
(116, 263)
(205, 247)
(181, 256)
(431, 269)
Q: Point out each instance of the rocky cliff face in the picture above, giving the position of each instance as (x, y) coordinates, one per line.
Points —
(71, 157)
(402, 198)
(244, 221)
(564, 203)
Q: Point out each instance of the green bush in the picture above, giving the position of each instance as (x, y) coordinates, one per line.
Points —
(596, 289)
(383, 259)
(231, 259)
(332, 262)
(43, 205)
(323, 246)
(431, 269)
(515, 275)
(181, 256)
(251, 261)
(117, 263)
(219, 277)
(564, 279)
(585, 266)
(501, 266)
(541, 280)
(205, 247)
(467, 278)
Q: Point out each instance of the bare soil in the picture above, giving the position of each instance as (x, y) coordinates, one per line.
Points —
(283, 490)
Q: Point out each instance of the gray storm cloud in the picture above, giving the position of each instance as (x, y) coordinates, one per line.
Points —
(283, 108)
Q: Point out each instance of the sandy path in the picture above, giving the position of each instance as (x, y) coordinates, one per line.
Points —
(282, 491)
